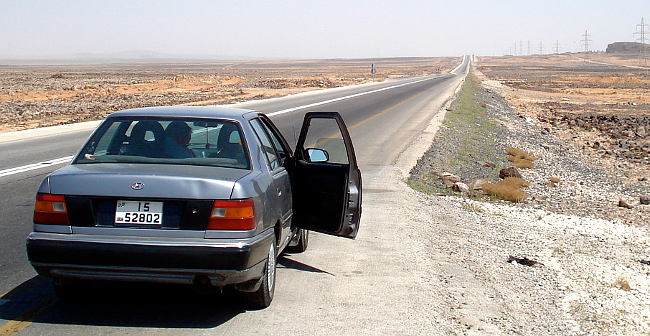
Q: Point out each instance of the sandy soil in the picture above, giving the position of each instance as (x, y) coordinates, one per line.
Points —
(36, 96)
(620, 59)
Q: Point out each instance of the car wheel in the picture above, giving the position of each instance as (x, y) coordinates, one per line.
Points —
(303, 241)
(262, 297)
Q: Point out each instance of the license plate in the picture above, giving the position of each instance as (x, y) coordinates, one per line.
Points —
(137, 212)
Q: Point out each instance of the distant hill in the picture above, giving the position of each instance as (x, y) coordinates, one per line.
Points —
(626, 48)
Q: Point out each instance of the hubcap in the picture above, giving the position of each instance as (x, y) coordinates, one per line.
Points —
(270, 264)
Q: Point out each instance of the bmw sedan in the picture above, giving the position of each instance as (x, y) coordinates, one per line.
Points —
(194, 195)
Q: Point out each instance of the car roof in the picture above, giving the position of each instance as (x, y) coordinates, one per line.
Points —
(185, 111)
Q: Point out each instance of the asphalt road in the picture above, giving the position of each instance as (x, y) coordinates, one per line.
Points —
(383, 119)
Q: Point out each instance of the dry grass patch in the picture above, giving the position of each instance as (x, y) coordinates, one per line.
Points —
(508, 189)
(520, 154)
(515, 182)
(622, 284)
(520, 158)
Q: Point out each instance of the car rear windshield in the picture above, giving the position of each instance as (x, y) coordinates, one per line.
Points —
(184, 141)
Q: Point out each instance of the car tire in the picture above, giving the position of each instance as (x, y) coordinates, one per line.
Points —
(262, 297)
(303, 241)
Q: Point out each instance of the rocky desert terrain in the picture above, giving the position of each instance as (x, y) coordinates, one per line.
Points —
(605, 109)
(532, 231)
(44, 95)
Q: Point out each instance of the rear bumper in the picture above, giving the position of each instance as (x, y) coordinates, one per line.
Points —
(177, 260)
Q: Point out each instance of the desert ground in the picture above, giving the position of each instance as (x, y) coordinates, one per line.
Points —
(34, 96)
(605, 109)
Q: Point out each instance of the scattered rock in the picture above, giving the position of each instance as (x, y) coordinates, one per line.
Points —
(524, 261)
(509, 172)
(449, 177)
(478, 184)
(624, 204)
(488, 164)
(645, 199)
(460, 187)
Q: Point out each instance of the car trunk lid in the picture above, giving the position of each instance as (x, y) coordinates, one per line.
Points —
(185, 193)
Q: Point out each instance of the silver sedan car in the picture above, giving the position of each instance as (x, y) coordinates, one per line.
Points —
(198, 195)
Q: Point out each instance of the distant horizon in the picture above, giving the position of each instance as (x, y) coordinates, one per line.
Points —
(96, 58)
(293, 29)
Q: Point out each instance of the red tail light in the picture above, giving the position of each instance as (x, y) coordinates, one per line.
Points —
(232, 215)
(50, 209)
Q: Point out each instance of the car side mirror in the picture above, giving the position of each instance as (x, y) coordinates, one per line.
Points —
(317, 155)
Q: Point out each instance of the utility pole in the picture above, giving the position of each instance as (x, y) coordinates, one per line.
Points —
(557, 47)
(541, 49)
(586, 40)
(642, 31)
(528, 47)
(521, 47)
(515, 48)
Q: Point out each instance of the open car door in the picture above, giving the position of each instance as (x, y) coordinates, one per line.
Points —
(326, 179)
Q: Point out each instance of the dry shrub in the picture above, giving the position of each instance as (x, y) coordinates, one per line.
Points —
(622, 284)
(555, 179)
(523, 163)
(515, 182)
(520, 154)
(505, 191)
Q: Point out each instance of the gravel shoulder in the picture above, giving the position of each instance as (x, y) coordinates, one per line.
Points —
(584, 260)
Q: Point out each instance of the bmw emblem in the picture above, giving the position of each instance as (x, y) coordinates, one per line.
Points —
(137, 186)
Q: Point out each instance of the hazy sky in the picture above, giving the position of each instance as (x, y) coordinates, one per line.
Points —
(310, 29)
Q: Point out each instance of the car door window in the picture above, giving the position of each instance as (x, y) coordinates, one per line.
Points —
(277, 143)
(325, 134)
(267, 146)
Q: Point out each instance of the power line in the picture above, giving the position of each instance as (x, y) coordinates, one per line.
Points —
(586, 40)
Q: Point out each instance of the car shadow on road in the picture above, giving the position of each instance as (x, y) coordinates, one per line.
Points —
(121, 305)
(297, 265)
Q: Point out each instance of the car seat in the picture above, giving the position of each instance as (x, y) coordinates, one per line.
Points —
(230, 145)
(146, 139)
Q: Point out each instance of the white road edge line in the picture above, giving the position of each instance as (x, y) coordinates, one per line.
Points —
(33, 166)
(459, 65)
(26, 168)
